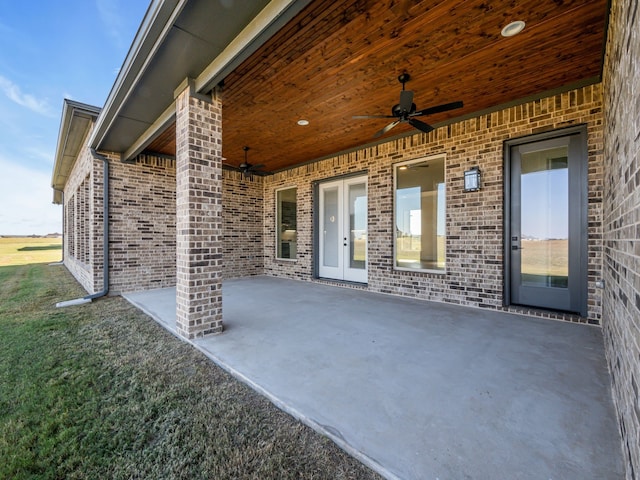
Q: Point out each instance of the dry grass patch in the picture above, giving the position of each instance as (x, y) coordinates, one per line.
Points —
(101, 391)
(24, 250)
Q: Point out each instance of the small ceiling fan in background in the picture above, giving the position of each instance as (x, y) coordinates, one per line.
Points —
(247, 169)
(405, 111)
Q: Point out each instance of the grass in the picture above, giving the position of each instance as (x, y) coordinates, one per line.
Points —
(101, 391)
(409, 253)
(545, 257)
(23, 251)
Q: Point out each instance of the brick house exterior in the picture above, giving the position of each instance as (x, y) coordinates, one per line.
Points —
(185, 221)
(621, 223)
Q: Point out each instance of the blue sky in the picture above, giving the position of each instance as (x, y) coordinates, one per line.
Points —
(545, 204)
(51, 50)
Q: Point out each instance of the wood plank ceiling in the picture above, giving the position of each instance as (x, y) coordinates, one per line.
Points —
(342, 58)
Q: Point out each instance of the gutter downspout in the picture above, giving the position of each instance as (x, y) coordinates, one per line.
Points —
(105, 237)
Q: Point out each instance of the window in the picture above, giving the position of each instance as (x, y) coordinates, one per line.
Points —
(419, 242)
(286, 223)
(71, 226)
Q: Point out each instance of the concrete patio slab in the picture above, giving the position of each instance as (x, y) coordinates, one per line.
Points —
(159, 304)
(421, 390)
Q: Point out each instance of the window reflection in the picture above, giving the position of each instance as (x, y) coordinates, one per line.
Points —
(420, 215)
(286, 223)
(544, 186)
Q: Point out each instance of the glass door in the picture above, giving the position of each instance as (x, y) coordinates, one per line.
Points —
(547, 231)
(331, 251)
(343, 230)
(355, 269)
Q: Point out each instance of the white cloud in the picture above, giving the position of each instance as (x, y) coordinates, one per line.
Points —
(15, 94)
(25, 201)
(40, 153)
(112, 19)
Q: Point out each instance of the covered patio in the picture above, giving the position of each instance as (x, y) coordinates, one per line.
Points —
(417, 389)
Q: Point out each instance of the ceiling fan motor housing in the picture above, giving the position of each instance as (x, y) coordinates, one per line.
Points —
(396, 111)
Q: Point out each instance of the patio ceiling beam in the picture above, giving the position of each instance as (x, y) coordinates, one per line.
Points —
(271, 19)
(154, 131)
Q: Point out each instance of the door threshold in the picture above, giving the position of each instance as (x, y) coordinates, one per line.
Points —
(341, 283)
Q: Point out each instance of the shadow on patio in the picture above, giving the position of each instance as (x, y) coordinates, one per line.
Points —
(418, 389)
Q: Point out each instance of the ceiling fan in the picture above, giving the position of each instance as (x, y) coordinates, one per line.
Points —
(247, 169)
(405, 111)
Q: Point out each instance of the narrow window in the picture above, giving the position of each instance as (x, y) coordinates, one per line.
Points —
(73, 227)
(286, 223)
(419, 241)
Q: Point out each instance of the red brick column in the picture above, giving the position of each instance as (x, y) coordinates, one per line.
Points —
(198, 214)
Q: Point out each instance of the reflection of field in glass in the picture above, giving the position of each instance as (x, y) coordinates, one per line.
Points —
(408, 251)
(360, 249)
(545, 257)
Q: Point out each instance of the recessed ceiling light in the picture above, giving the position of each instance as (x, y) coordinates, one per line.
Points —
(303, 122)
(513, 28)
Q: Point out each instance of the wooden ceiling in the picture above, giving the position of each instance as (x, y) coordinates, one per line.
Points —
(340, 58)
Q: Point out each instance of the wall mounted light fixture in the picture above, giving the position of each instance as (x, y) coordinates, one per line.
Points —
(472, 179)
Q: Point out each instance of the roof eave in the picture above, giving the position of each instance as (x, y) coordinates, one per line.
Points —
(155, 36)
(157, 22)
(77, 119)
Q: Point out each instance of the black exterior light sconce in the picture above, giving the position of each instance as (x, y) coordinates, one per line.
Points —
(472, 179)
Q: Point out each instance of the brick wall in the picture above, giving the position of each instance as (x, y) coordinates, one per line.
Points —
(97, 221)
(474, 220)
(142, 235)
(80, 228)
(142, 238)
(621, 315)
(243, 225)
(142, 224)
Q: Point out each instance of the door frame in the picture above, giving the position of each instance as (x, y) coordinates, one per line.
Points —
(582, 187)
(316, 218)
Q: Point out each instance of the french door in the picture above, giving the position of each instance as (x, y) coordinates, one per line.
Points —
(546, 243)
(342, 229)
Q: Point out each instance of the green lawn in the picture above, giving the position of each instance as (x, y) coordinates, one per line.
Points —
(23, 251)
(101, 391)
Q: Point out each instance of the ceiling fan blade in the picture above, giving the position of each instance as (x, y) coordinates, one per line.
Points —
(256, 167)
(386, 129)
(440, 108)
(424, 127)
(373, 116)
(406, 99)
